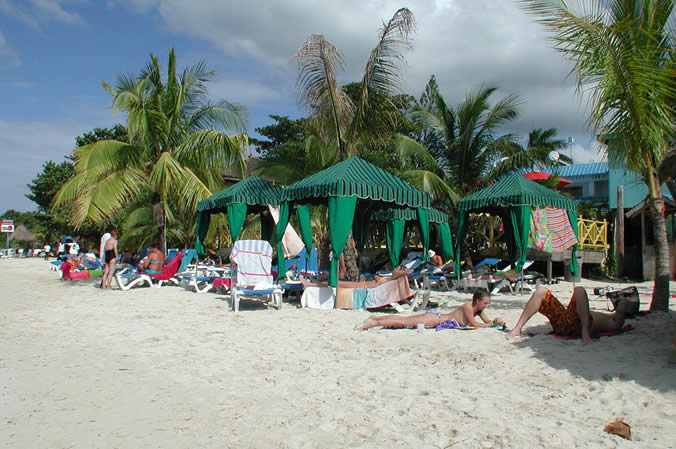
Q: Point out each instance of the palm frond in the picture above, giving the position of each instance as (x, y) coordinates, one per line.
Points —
(317, 61)
(381, 78)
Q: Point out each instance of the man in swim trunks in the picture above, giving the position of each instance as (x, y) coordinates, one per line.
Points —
(462, 316)
(576, 320)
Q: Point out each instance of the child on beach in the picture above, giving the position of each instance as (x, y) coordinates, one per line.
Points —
(462, 316)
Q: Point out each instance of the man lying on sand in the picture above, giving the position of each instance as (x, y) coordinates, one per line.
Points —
(462, 316)
(574, 321)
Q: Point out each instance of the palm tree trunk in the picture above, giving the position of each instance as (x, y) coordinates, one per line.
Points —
(661, 287)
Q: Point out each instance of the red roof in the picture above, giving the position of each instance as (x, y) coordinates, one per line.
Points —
(538, 175)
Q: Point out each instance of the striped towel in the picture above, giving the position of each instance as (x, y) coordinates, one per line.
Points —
(551, 230)
(253, 259)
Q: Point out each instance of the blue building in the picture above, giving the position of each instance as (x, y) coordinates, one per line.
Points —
(597, 181)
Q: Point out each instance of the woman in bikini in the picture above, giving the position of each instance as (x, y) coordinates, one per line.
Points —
(153, 263)
(460, 317)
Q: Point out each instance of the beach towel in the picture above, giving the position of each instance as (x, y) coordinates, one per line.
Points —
(550, 230)
(291, 242)
(253, 259)
(388, 292)
(318, 298)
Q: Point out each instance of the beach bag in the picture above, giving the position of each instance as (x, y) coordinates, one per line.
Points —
(632, 297)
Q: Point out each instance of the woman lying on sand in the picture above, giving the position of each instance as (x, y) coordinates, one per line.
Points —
(462, 316)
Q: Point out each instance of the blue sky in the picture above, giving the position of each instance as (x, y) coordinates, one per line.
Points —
(55, 53)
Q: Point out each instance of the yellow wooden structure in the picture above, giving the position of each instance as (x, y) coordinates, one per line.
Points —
(592, 235)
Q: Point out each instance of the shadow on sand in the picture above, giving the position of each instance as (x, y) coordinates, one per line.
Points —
(641, 355)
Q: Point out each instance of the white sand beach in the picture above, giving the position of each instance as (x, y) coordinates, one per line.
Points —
(167, 368)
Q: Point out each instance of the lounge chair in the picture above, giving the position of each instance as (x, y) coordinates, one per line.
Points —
(128, 280)
(517, 282)
(253, 279)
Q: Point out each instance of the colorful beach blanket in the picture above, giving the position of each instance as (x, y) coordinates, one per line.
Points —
(551, 230)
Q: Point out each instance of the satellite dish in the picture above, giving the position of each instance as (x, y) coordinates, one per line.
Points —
(553, 156)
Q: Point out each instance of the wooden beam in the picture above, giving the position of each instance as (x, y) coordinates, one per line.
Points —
(619, 234)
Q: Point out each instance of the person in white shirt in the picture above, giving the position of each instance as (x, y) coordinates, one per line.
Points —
(102, 251)
(47, 248)
(74, 249)
(61, 249)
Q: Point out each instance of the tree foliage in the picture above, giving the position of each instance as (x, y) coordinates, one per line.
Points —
(177, 148)
(623, 56)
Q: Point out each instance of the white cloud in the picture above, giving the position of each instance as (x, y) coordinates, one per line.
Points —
(244, 92)
(36, 13)
(8, 54)
(25, 146)
(463, 43)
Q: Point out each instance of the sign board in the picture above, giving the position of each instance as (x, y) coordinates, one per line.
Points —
(7, 226)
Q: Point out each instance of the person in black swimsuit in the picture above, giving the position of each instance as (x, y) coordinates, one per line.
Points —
(110, 250)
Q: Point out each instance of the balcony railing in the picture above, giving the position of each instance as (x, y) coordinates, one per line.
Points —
(592, 234)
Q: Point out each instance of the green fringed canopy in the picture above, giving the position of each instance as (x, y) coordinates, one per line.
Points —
(407, 214)
(512, 198)
(251, 191)
(356, 177)
(251, 195)
(350, 185)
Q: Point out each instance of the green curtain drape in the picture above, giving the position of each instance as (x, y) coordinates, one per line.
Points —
(445, 241)
(202, 227)
(279, 233)
(303, 215)
(360, 228)
(424, 225)
(520, 218)
(462, 228)
(572, 217)
(267, 226)
(236, 216)
(341, 215)
(395, 237)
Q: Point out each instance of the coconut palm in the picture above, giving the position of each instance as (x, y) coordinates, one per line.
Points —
(177, 150)
(623, 55)
(461, 145)
(340, 121)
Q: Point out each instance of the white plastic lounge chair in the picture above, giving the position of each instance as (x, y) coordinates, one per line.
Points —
(510, 282)
(253, 278)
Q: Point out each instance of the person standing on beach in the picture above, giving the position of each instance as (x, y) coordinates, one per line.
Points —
(47, 249)
(102, 252)
(60, 249)
(110, 251)
(576, 320)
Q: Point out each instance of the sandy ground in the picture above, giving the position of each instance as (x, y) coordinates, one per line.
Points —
(167, 368)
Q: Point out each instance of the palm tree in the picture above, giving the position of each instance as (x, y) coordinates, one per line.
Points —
(177, 149)
(623, 54)
(459, 146)
(338, 120)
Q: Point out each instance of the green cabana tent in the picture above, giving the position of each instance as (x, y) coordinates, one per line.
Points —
(350, 185)
(512, 198)
(435, 216)
(251, 195)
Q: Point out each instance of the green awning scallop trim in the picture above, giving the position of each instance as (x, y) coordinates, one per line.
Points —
(356, 177)
(515, 190)
(407, 214)
(252, 191)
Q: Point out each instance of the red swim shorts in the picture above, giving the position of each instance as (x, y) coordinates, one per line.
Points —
(564, 320)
